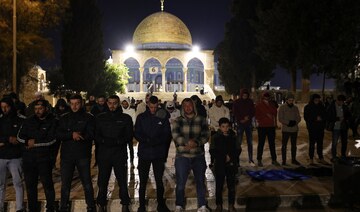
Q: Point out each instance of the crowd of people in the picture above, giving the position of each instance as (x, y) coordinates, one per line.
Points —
(31, 137)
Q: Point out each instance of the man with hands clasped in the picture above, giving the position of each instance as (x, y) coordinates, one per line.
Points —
(289, 117)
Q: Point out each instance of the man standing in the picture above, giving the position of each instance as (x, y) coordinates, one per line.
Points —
(339, 116)
(265, 114)
(99, 106)
(190, 133)
(315, 115)
(114, 131)
(289, 117)
(244, 111)
(216, 112)
(152, 130)
(38, 135)
(131, 112)
(10, 152)
(76, 132)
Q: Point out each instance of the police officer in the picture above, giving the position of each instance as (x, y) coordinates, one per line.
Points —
(38, 135)
(76, 133)
(114, 131)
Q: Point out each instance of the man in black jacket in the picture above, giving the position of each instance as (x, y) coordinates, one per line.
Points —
(338, 117)
(114, 131)
(152, 130)
(10, 152)
(76, 133)
(38, 135)
(315, 115)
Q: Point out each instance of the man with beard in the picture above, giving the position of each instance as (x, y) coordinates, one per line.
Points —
(38, 135)
(76, 133)
(190, 133)
(10, 152)
(244, 112)
(114, 131)
(289, 117)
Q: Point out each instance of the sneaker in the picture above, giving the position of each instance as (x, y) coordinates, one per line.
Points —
(178, 209)
(203, 209)
(260, 164)
(295, 162)
(218, 208)
(232, 208)
(275, 163)
(251, 163)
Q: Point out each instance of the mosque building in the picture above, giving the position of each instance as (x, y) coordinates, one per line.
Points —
(162, 58)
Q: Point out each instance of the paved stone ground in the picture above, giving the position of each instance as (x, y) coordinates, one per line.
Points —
(313, 194)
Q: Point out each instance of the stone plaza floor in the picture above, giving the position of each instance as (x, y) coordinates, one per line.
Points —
(313, 194)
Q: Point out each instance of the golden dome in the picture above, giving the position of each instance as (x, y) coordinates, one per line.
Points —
(162, 27)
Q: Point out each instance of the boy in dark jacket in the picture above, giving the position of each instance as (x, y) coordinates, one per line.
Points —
(152, 130)
(225, 162)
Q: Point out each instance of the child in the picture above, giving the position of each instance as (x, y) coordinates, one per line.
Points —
(225, 162)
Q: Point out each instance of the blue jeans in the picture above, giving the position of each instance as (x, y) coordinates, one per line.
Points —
(336, 134)
(15, 168)
(248, 132)
(183, 165)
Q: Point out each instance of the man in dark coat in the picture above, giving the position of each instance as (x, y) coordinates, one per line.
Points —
(10, 152)
(76, 133)
(38, 135)
(114, 131)
(315, 115)
(152, 130)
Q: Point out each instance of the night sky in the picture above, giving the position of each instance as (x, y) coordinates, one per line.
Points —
(205, 19)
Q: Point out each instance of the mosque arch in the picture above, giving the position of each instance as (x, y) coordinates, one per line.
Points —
(195, 75)
(152, 76)
(174, 75)
(134, 72)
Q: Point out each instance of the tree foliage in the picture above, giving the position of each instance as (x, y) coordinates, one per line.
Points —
(82, 52)
(34, 20)
(112, 80)
(314, 36)
(239, 66)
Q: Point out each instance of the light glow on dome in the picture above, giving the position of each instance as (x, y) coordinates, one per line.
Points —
(129, 48)
(195, 49)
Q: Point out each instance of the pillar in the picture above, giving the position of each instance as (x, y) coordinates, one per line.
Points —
(185, 70)
(141, 69)
(163, 83)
